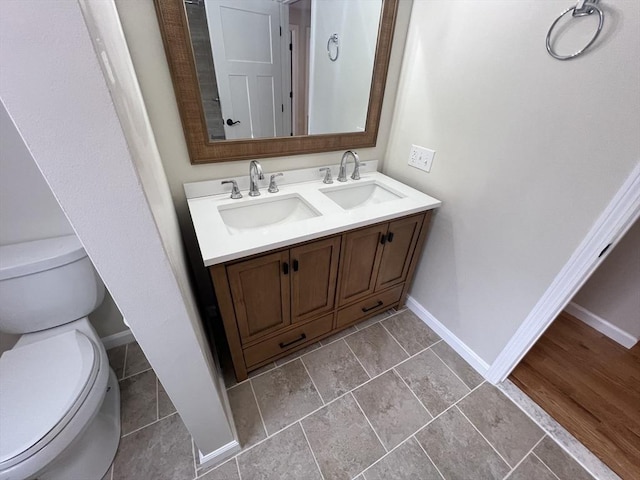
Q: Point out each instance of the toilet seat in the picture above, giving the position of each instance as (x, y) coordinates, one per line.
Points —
(42, 386)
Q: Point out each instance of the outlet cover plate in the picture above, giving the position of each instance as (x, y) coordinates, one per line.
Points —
(420, 157)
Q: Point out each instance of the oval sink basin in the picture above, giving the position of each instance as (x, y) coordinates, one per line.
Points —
(360, 195)
(265, 212)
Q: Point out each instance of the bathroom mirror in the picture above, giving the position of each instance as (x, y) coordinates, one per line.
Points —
(264, 78)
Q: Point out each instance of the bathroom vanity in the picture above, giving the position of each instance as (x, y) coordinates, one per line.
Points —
(293, 267)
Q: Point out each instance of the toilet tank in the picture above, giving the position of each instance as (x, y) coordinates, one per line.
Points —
(46, 283)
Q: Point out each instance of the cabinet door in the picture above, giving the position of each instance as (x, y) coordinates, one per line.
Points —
(399, 246)
(361, 257)
(260, 291)
(314, 268)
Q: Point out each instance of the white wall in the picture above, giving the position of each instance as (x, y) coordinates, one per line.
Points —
(339, 91)
(613, 291)
(111, 186)
(529, 152)
(29, 211)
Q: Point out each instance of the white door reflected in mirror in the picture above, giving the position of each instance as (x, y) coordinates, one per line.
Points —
(265, 71)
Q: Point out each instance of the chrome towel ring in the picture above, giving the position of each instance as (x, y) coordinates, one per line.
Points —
(581, 9)
(333, 39)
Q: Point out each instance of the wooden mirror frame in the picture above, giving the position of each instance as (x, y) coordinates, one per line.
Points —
(174, 28)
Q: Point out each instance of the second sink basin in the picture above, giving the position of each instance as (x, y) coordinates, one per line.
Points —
(265, 212)
(360, 195)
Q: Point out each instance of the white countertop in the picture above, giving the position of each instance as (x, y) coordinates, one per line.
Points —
(218, 244)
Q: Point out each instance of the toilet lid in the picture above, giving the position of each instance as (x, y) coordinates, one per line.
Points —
(40, 384)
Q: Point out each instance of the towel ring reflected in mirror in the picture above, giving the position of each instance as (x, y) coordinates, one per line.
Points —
(333, 40)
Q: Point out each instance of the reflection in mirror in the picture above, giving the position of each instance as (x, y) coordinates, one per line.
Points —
(330, 109)
(278, 68)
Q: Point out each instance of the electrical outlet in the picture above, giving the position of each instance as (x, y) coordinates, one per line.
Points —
(420, 157)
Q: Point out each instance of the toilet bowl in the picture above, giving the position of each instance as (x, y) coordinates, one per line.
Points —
(60, 407)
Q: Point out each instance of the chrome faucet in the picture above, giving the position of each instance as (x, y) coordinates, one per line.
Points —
(255, 174)
(342, 175)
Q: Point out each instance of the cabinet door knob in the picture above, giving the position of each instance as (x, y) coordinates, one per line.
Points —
(390, 237)
(295, 265)
(285, 268)
(383, 239)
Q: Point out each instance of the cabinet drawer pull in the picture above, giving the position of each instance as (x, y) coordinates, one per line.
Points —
(301, 337)
(390, 237)
(295, 265)
(285, 268)
(383, 239)
(379, 303)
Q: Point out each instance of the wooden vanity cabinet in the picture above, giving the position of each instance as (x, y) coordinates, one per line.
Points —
(278, 302)
(377, 257)
(397, 251)
(261, 292)
(375, 260)
(274, 290)
(314, 272)
(360, 262)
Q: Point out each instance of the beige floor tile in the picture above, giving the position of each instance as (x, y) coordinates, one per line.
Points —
(410, 331)
(560, 462)
(136, 362)
(298, 353)
(226, 471)
(435, 385)
(285, 395)
(458, 450)
(393, 410)
(376, 349)
(262, 369)
(334, 370)
(370, 321)
(165, 405)
(161, 451)
(338, 336)
(285, 456)
(246, 415)
(503, 424)
(341, 439)
(138, 401)
(532, 469)
(455, 362)
(408, 461)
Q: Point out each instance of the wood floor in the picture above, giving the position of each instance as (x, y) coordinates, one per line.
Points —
(591, 386)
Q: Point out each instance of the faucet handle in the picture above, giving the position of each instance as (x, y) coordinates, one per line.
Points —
(235, 191)
(356, 171)
(273, 188)
(327, 175)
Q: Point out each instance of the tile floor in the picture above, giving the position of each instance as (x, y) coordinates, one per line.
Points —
(386, 399)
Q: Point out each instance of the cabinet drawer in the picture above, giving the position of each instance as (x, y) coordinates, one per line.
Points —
(373, 304)
(288, 340)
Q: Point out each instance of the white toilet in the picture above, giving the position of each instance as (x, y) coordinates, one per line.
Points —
(59, 399)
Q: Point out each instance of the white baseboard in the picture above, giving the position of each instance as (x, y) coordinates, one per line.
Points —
(600, 324)
(218, 456)
(454, 342)
(117, 339)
